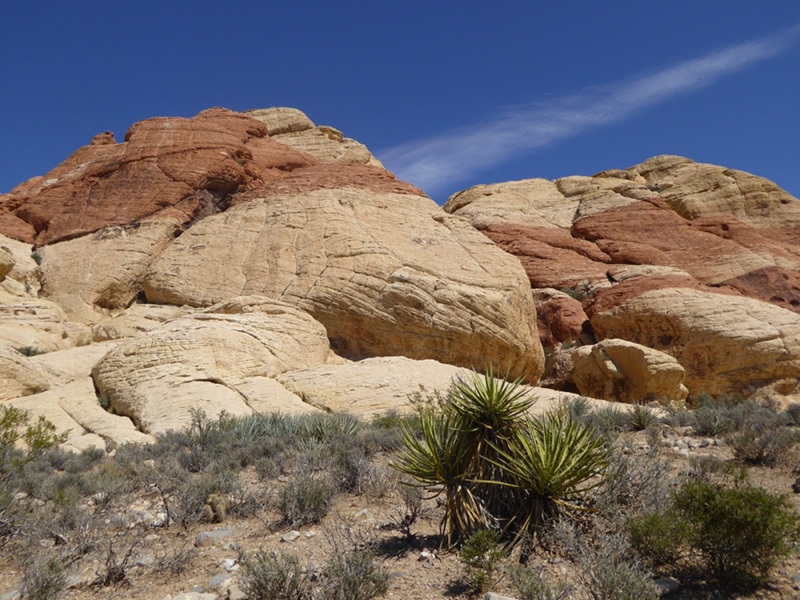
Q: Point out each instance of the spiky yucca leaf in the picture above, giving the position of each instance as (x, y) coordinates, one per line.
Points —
(552, 464)
(441, 456)
(488, 411)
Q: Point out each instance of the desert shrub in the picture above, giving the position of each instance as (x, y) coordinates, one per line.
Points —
(29, 350)
(634, 483)
(304, 500)
(793, 414)
(610, 421)
(713, 421)
(22, 442)
(704, 466)
(609, 567)
(458, 447)
(481, 555)
(532, 585)
(579, 409)
(735, 535)
(354, 575)
(642, 417)
(273, 576)
(44, 578)
(761, 436)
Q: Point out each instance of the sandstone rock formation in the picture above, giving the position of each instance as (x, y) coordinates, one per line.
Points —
(291, 127)
(438, 290)
(668, 224)
(175, 168)
(727, 344)
(199, 361)
(258, 262)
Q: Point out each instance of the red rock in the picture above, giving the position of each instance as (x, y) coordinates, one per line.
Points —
(551, 256)
(162, 164)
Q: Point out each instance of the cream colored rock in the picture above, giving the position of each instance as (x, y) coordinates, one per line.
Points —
(327, 145)
(25, 270)
(100, 274)
(725, 343)
(39, 324)
(280, 120)
(526, 203)
(696, 190)
(7, 262)
(20, 377)
(370, 386)
(136, 320)
(197, 361)
(621, 371)
(266, 395)
(387, 274)
(70, 364)
(74, 408)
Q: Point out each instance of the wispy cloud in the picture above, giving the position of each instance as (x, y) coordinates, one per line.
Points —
(436, 162)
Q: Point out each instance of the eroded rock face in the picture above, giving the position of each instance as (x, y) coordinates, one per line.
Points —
(726, 343)
(720, 226)
(386, 272)
(100, 274)
(199, 361)
(178, 168)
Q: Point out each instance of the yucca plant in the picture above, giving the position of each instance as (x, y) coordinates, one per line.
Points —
(441, 457)
(552, 464)
(489, 412)
(498, 468)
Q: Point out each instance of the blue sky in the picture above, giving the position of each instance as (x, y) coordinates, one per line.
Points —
(447, 94)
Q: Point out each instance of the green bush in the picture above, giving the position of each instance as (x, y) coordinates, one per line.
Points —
(481, 555)
(735, 535)
(642, 417)
(44, 579)
(763, 437)
(271, 576)
(20, 446)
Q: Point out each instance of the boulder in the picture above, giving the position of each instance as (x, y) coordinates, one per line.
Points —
(726, 343)
(560, 318)
(378, 264)
(200, 360)
(19, 377)
(292, 127)
(620, 371)
(280, 119)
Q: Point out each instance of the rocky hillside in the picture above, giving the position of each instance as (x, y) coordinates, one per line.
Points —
(253, 262)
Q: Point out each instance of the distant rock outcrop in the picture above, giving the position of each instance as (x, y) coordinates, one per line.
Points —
(133, 243)
(623, 241)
